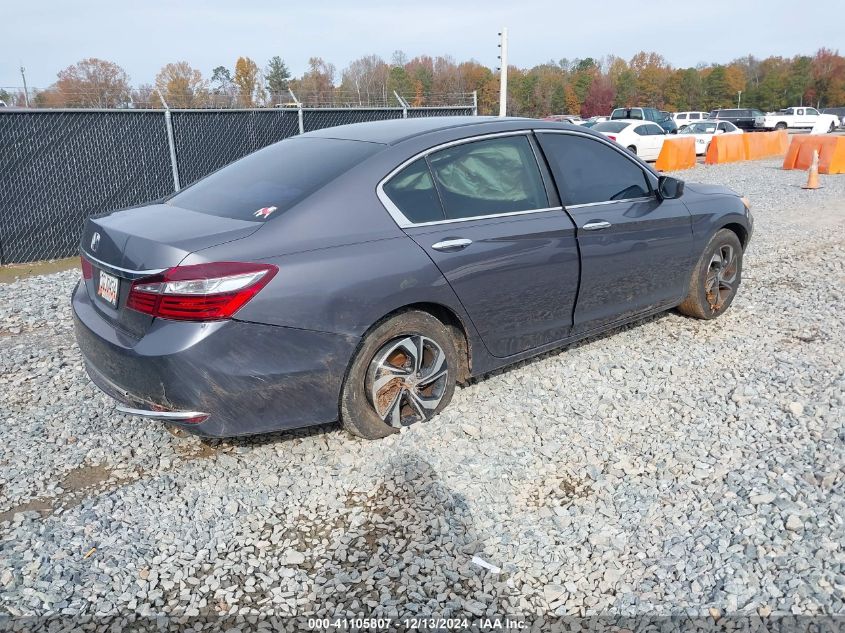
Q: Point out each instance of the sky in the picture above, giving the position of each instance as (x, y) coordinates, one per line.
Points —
(141, 36)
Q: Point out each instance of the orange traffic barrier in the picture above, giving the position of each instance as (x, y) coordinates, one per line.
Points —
(782, 140)
(727, 148)
(677, 153)
(765, 144)
(831, 151)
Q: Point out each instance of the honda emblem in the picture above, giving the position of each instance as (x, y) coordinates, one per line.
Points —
(95, 241)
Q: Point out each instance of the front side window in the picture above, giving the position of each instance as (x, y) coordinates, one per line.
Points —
(486, 177)
(812, 111)
(412, 191)
(589, 171)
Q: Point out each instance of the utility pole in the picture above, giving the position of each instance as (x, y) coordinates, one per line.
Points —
(25, 91)
(503, 72)
(738, 98)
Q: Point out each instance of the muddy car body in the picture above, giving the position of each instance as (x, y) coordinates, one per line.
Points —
(360, 272)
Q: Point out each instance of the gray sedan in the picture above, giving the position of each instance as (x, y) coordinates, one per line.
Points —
(359, 273)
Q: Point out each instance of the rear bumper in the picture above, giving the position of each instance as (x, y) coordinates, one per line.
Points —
(249, 378)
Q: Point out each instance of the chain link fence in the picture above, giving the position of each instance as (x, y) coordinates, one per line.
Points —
(58, 167)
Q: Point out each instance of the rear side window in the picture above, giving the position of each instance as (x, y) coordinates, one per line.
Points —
(589, 171)
(274, 178)
(487, 177)
(412, 191)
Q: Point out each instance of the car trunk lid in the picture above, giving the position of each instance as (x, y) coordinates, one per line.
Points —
(134, 243)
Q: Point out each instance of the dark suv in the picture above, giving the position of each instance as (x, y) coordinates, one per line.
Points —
(746, 119)
(647, 114)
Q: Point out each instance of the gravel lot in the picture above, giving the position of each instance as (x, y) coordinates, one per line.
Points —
(673, 466)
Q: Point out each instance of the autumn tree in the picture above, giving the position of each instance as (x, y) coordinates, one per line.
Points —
(246, 80)
(90, 83)
(182, 85)
(600, 97)
(317, 84)
(829, 77)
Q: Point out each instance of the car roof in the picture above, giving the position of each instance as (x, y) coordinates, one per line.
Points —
(395, 131)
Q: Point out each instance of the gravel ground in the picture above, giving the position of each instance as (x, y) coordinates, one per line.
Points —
(672, 466)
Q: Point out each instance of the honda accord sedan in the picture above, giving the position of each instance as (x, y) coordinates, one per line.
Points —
(359, 273)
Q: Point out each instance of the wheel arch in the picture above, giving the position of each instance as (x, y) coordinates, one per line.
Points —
(443, 313)
(740, 231)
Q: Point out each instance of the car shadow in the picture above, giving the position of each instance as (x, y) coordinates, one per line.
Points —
(400, 548)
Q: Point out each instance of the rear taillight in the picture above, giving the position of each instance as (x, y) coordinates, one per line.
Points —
(611, 137)
(204, 292)
(87, 269)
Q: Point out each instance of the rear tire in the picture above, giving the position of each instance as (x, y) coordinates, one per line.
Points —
(404, 372)
(780, 126)
(632, 149)
(715, 278)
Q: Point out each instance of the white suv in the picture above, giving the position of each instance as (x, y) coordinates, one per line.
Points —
(685, 118)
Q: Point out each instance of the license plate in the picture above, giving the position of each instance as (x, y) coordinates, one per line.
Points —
(107, 289)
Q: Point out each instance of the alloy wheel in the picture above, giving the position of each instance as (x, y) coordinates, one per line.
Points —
(407, 380)
(720, 282)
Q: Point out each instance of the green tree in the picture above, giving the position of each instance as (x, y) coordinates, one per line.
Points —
(277, 77)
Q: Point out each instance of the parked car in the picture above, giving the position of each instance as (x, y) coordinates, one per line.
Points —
(646, 114)
(837, 112)
(746, 119)
(643, 138)
(595, 119)
(360, 272)
(685, 118)
(574, 119)
(799, 118)
(704, 131)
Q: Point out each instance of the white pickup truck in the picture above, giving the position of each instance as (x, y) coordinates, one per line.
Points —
(798, 118)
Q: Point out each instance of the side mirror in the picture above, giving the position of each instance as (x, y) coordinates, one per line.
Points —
(669, 188)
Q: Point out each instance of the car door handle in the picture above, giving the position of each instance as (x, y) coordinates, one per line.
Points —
(596, 226)
(451, 245)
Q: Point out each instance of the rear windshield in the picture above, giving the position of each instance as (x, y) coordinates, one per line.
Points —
(265, 184)
(631, 113)
(610, 126)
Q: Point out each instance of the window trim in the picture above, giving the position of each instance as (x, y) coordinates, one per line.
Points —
(650, 176)
(404, 223)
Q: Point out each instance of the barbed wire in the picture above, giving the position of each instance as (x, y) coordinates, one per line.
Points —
(145, 98)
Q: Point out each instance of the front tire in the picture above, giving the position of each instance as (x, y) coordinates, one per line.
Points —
(404, 372)
(832, 128)
(715, 278)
